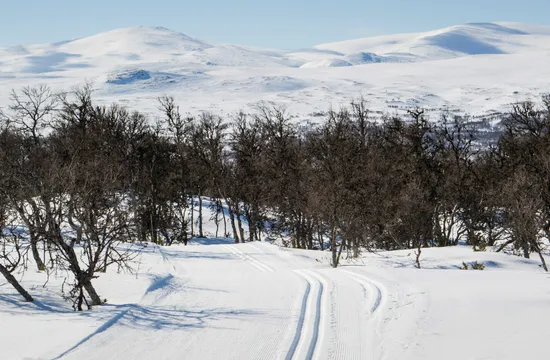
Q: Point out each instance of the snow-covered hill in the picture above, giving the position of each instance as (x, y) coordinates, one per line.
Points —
(479, 68)
(451, 42)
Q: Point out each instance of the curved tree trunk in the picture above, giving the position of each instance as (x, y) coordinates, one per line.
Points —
(13, 281)
(35, 254)
(84, 278)
(96, 300)
(31, 226)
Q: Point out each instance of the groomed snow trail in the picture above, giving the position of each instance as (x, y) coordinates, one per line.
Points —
(242, 301)
(376, 296)
(307, 332)
(244, 256)
(217, 300)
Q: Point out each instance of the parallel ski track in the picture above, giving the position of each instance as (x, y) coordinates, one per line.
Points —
(309, 334)
(379, 290)
(252, 261)
(375, 307)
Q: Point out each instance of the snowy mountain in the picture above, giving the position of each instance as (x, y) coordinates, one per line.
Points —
(476, 68)
(452, 42)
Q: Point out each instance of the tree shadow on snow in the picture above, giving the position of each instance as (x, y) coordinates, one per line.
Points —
(162, 318)
(176, 255)
(43, 304)
(159, 318)
(211, 241)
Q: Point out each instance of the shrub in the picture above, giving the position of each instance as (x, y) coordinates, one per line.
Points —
(478, 266)
(474, 266)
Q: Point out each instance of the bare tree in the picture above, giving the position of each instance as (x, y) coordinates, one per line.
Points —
(12, 252)
(30, 113)
(31, 110)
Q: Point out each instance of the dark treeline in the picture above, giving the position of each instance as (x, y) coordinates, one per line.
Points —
(85, 182)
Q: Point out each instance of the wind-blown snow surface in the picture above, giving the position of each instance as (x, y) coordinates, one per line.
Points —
(217, 300)
(476, 68)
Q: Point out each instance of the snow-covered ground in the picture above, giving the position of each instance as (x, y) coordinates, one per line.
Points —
(218, 300)
(475, 68)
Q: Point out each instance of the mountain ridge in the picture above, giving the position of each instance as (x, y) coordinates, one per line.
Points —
(444, 67)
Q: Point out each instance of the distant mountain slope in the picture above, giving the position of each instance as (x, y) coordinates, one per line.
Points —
(454, 41)
(128, 46)
(479, 68)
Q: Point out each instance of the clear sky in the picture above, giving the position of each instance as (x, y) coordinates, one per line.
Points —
(276, 23)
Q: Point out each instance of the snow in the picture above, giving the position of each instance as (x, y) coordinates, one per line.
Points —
(473, 68)
(454, 41)
(214, 299)
(326, 63)
(217, 300)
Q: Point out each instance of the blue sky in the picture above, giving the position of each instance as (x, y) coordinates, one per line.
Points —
(275, 23)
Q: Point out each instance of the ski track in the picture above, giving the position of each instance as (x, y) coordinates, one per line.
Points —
(324, 306)
(309, 331)
(350, 326)
(375, 306)
(219, 300)
(301, 319)
(260, 265)
(279, 256)
(268, 267)
(328, 297)
(379, 289)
